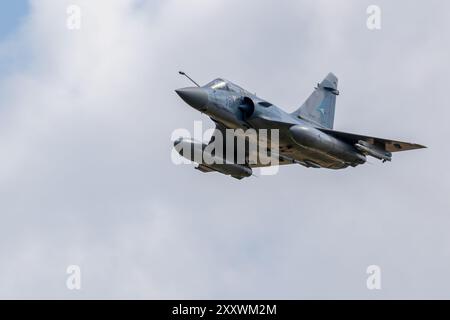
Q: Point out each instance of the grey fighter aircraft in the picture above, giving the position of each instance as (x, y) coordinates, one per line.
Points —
(306, 136)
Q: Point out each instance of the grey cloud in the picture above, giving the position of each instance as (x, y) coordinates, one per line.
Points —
(86, 176)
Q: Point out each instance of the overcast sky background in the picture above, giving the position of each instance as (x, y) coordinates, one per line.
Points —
(86, 176)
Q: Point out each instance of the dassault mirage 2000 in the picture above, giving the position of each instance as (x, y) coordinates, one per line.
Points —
(306, 136)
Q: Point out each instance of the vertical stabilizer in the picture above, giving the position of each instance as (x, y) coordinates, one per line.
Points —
(319, 107)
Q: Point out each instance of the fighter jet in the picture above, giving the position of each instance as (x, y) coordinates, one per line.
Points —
(306, 136)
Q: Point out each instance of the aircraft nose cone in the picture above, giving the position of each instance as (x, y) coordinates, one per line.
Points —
(195, 97)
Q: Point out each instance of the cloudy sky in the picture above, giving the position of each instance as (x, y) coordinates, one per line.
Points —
(86, 177)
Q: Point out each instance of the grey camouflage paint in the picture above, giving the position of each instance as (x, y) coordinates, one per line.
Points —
(305, 136)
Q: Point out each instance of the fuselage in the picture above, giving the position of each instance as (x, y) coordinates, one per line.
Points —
(300, 140)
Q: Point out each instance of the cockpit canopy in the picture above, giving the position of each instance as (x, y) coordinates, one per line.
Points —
(218, 84)
(221, 84)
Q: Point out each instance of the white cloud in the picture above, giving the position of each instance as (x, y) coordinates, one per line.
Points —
(86, 177)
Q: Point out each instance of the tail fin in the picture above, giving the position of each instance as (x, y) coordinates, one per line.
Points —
(319, 107)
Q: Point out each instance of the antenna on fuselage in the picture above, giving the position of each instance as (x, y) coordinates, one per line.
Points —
(184, 74)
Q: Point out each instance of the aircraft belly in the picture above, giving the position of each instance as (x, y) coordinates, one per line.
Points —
(303, 154)
(297, 152)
